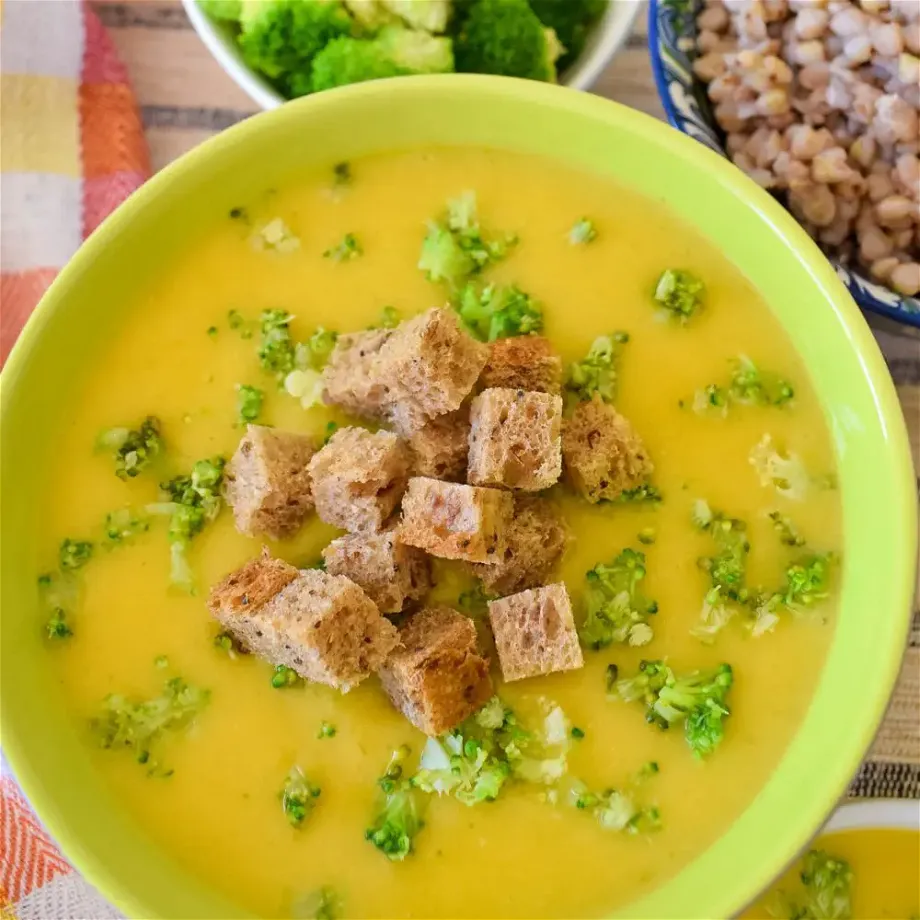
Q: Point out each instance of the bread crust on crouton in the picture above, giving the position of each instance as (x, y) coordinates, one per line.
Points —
(267, 482)
(523, 362)
(515, 439)
(390, 573)
(455, 521)
(437, 677)
(535, 633)
(352, 378)
(439, 448)
(534, 542)
(358, 478)
(602, 453)
(323, 626)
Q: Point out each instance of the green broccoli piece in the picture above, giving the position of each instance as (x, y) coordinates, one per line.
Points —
(788, 532)
(298, 797)
(828, 882)
(248, 403)
(194, 501)
(597, 371)
(226, 642)
(277, 349)
(389, 319)
(284, 677)
(238, 323)
(124, 525)
(617, 809)
(139, 724)
(281, 37)
(322, 904)
(228, 10)
(505, 37)
(572, 21)
(495, 312)
(749, 386)
(808, 581)
(345, 251)
(74, 554)
(646, 493)
(57, 627)
(617, 611)
(423, 15)
(474, 601)
(680, 293)
(394, 52)
(727, 569)
(583, 232)
(783, 470)
(326, 730)
(371, 15)
(696, 699)
(134, 449)
(398, 819)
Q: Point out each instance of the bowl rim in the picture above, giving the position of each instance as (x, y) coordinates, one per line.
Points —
(543, 97)
(855, 281)
(896, 814)
(608, 36)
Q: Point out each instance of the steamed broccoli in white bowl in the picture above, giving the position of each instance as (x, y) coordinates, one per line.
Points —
(281, 49)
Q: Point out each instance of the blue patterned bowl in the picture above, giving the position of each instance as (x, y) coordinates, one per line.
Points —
(671, 40)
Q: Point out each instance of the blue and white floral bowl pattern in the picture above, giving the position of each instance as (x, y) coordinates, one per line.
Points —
(671, 33)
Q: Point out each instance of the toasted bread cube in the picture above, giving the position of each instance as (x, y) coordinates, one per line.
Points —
(437, 678)
(535, 633)
(359, 478)
(603, 455)
(439, 448)
(515, 439)
(455, 521)
(390, 573)
(353, 378)
(432, 365)
(534, 541)
(523, 362)
(323, 626)
(267, 482)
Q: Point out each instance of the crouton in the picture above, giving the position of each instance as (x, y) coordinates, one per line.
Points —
(440, 446)
(534, 541)
(352, 377)
(323, 626)
(267, 482)
(515, 439)
(389, 572)
(603, 455)
(535, 633)
(431, 366)
(437, 678)
(359, 478)
(455, 521)
(523, 362)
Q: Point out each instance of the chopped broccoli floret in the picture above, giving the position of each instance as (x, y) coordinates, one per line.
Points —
(583, 232)
(647, 536)
(194, 500)
(727, 569)
(389, 319)
(455, 248)
(124, 525)
(714, 616)
(275, 236)
(138, 725)
(222, 9)
(326, 730)
(331, 429)
(277, 349)
(617, 809)
(74, 554)
(371, 15)
(474, 601)
(499, 312)
(577, 733)
(416, 51)
(295, 364)
(784, 471)
(617, 611)
(238, 323)
(248, 403)
(322, 904)
(305, 386)
(298, 797)
(646, 493)
(808, 581)
(749, 386)
(572, 21)
(597, 371)
(399, 817)
(240, 214)
(345, 251)
(505, 37)
(424, 15)
(827, 881)
(680, 293)
(697, 699)
(284, 677)
(281, 37)
(341, 173)
(788, 532)
(134, 449)
(56, 626)
(226, 642)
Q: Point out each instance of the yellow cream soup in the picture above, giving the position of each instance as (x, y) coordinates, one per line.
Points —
(886, 875)
(219, 812)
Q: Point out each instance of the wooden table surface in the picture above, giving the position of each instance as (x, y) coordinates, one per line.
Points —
(185, 97)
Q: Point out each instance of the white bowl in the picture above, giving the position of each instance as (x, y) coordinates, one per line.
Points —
(903, 814)
(606, 39)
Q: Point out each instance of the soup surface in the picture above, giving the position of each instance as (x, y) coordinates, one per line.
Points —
(528, 853)
(885, 868)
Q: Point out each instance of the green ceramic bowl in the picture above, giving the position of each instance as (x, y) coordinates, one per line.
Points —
(85, 304)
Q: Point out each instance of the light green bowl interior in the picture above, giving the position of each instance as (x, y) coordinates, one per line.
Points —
(87, 301)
